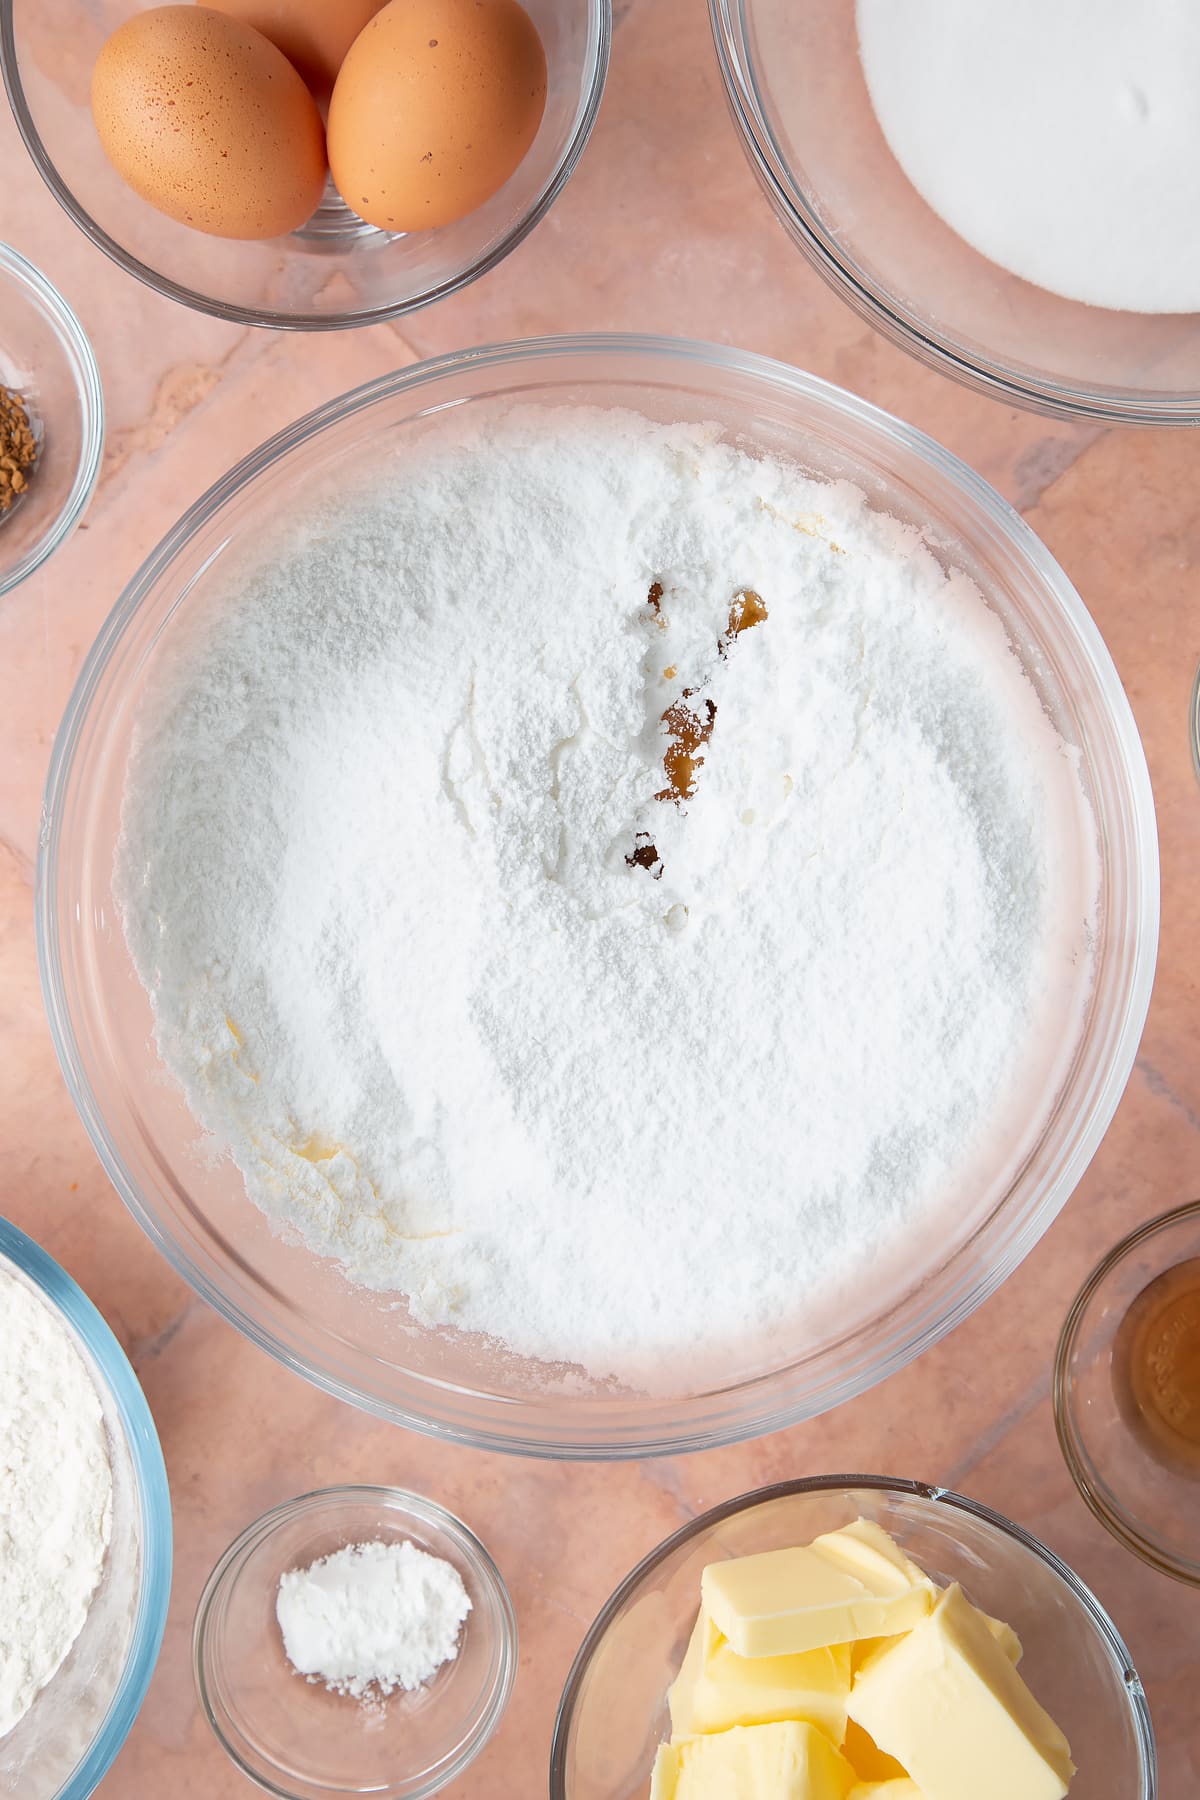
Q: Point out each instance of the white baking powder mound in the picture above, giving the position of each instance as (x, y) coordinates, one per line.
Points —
(373, 1617)
(1059, 137)
(55, 1496)
(560, 943)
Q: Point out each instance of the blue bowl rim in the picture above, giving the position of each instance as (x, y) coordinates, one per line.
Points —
(878, 1484)
(154, 1500)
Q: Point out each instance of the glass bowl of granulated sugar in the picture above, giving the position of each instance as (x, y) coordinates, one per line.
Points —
(1007, 198)
(597, 895)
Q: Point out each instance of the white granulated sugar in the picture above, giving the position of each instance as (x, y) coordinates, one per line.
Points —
(1059, 137)
(377, 873)
(55, 1496)
(372, 1617)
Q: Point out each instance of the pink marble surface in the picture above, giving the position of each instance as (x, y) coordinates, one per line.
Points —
(662, 229)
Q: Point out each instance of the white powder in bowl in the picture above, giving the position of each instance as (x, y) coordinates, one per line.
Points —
(372, 1617)
(55, 1496)
(1059, 137)
(621, 1082)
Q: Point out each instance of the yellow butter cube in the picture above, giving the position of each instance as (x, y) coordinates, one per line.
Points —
(948, 1704)
(717, 1689)
(782, 1761)
(664, 1777)
(681, 1690)
(841, 1588)
(864, 1546)
(868, 1552)
(1004, 1635)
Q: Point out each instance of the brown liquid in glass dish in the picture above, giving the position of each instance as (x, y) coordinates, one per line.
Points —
(1156, 1368)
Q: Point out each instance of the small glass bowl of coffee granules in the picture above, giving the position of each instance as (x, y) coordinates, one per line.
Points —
(18, 450)
(51, 419)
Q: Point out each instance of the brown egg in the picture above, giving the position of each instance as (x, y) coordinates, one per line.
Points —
(436, 104)
(314, 35)
(209, 122)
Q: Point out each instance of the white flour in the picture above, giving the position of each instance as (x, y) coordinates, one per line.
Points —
(55, 1496)
(1059, 137)
(377, 872)
(375, 1616)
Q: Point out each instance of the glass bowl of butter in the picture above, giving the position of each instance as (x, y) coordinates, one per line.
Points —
(853, 1638)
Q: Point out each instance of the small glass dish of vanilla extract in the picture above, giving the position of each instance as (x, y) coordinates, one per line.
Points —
(1127, 1392)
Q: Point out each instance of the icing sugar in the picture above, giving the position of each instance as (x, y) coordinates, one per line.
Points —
(623, 1081)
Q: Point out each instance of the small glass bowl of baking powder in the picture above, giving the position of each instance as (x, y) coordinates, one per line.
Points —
(48, 366)
(1127, 1392)
(613, 1711)
(64, 1745)
(291, 1734)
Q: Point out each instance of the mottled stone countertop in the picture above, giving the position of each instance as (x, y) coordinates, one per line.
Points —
(694, 251)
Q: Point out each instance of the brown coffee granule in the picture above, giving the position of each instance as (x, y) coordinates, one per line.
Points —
(18, 448)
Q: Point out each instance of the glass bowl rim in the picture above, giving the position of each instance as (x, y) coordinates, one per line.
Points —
(697, 360)
(1080, 1465)
(875, 303)
(77, 350)
(154, 1498)
(591, 94)
(1106, 1630)
(431, 1513)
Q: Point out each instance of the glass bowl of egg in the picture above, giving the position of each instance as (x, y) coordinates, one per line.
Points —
(61, 1747)
(851, 1637)
(377, 1344)
(305, 164)
(1004, 197)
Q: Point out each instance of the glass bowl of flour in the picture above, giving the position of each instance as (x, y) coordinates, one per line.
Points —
(613, 1711)
(597, 895)
(1006, 197)
(93, 1640)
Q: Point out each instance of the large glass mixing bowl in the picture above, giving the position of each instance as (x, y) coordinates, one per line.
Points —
(361, 1345)
(336, 270)
(799, 98)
